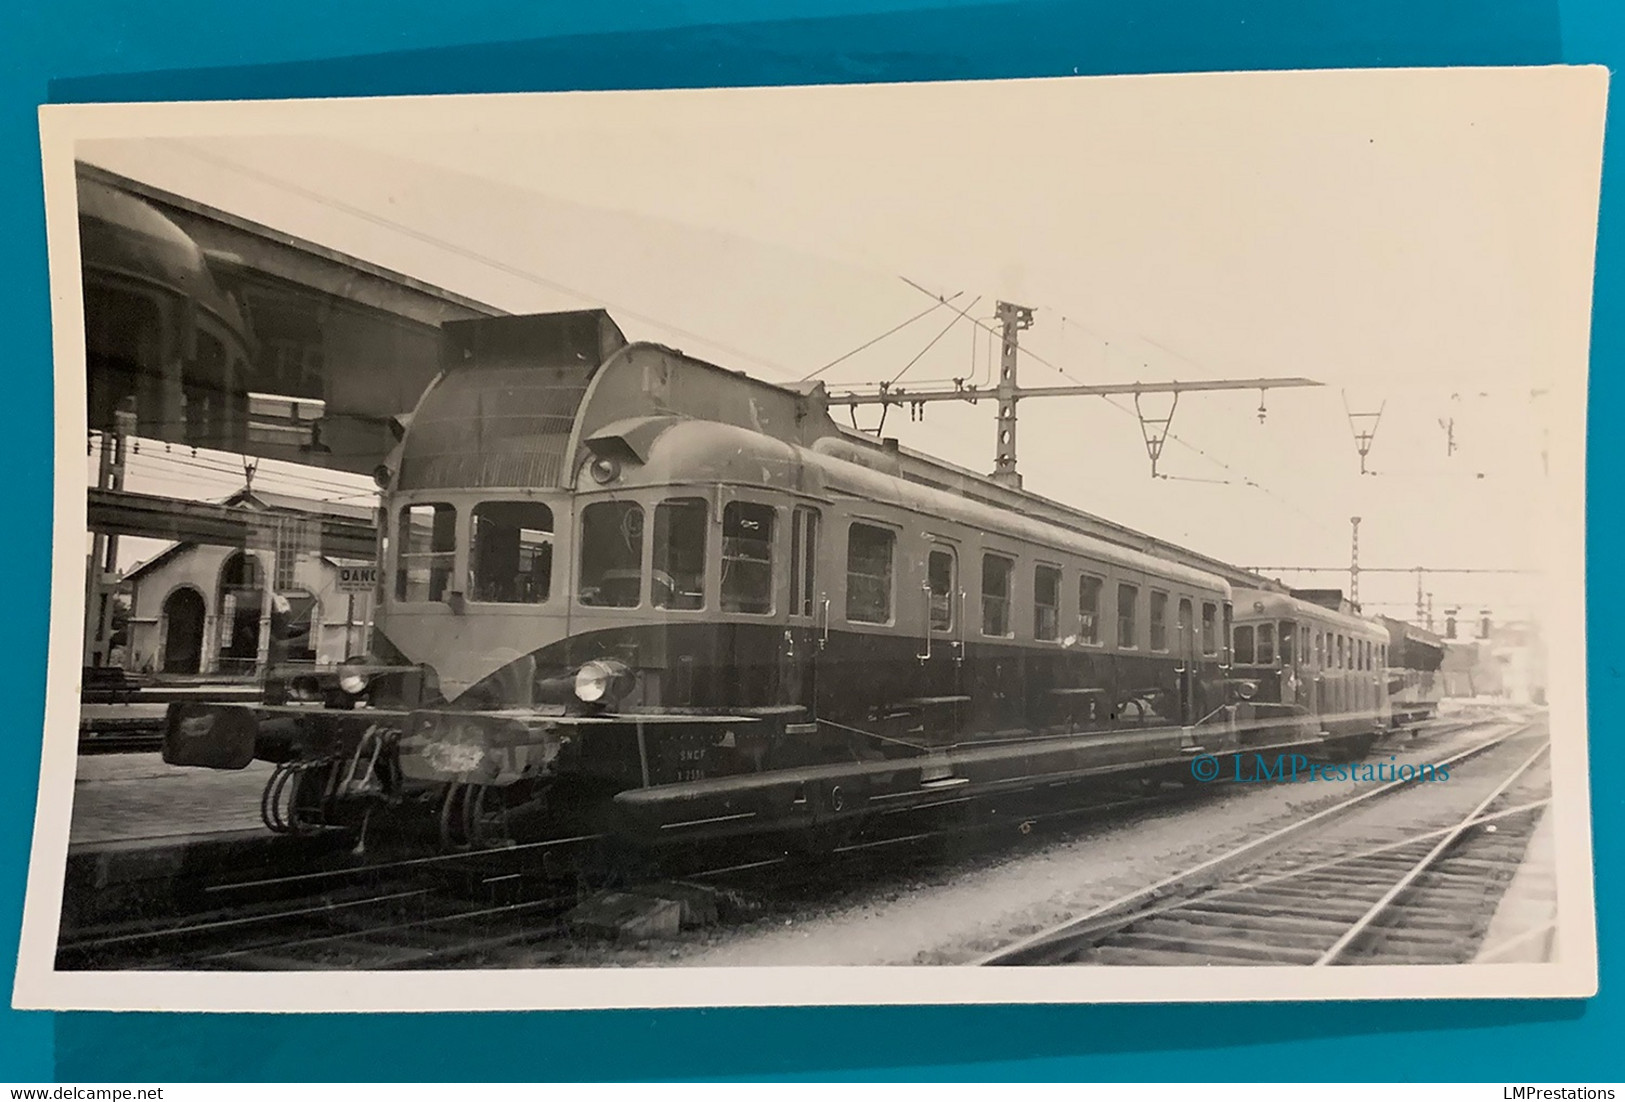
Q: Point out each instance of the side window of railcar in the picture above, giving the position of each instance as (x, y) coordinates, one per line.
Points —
(1320, 649)
(940, 570)
(611, 554)
(1159, 620)
(998, 575)
(870, 552)
(1266, 644)
(1186, 625)
(1288, 633)
(1224, 636)
(1244, 645)
(678, 578)
(1046, 602)
(1128, 627)
(803, 560)
(1342, 655)
(747, 557)
(1089, 612)
(427, 541)
(1210, 628)
(510, 552)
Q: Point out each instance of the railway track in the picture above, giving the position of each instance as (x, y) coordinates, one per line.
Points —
(1409, 873)
(467, 909)
(394, 914)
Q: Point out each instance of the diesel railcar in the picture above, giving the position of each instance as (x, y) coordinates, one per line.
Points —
(625, 590)
(1306, 657)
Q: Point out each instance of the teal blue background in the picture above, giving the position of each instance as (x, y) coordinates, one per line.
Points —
(169, 49)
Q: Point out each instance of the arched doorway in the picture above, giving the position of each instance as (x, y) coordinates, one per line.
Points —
(184, 612)
(241, 599)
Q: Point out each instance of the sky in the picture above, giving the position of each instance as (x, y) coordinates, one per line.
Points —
(1419, 241)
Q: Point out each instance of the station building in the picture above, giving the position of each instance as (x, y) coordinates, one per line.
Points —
(196, 608)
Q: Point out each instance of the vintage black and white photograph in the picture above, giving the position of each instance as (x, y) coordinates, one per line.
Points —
(1062, 540)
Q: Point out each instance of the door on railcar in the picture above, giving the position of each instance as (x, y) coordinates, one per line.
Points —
(1317, 697)
(1286, 645)
(807, 625)
(940, 655)
(1189, 662)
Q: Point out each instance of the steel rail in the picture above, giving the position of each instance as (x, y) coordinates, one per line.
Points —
(1109, 925)
(374, 931)
(384, 866)
(1364, 923)
(1025, 947)
(229, 923)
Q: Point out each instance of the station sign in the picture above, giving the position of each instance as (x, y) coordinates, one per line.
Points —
(358, 579)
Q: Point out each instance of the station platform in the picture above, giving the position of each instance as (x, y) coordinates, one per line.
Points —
(123, 798)
(144, 836)
(1523, 929)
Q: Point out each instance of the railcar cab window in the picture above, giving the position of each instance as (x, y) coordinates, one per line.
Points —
(427, 538)
(1288, 634)
(677, 580)
(510, 552)
(803, 557)
(747, 557)
(1210, 628)
(1244, 645)
(611, 554)
(939, 577)
(1265, 655)
(1089, 591)
(1128, 628)
(998, 573)
(1320, 649)
(1159, 620)
(870, 554)
(1047, 603)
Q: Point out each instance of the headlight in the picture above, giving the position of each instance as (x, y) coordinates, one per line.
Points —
(593, 681)
(605, 469)
(353, 676)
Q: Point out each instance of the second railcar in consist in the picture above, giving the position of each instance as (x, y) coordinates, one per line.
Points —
(627, 590)
(1308, 658)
